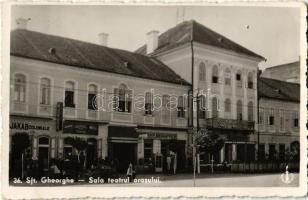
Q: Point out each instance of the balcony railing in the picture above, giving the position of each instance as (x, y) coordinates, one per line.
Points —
(229, 124)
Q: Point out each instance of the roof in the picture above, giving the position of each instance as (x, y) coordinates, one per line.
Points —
(292, 64)
(55, 49)
(192, 30)
(280, 90)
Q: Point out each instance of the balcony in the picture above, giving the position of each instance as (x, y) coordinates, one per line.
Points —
(218, 123)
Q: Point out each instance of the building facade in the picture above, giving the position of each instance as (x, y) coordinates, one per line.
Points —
(223, 75)
(115, 101)
(278, 119)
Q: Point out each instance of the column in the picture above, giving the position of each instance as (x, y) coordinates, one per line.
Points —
(103, 136)
(99, 148)
(104, 149)
(34, 148)
(140, 149)
(53, 148)
(233, 152)
(222, 155)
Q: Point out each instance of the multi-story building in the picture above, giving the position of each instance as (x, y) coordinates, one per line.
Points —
(113, 99)
(289, 72)
(223, 73)
(278, 118)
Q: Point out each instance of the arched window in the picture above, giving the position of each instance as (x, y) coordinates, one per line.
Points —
(92, 94)
(215, 74)
(123, 98)
(148, 103)
(43, 141)
(181, 106)
(227, 77)
(20, 88)
(227, 105)
(239, 79)
(45, 91)
(250, 111)
(250, 80)
(69, 94)
(214, 107)
(201, 71)
(239, 110)
(202, 107)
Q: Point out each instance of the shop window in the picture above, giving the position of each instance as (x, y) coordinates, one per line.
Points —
(201, 71)
(215, 74)
(181, 107)
(272, 151)
(261, 152)
(92, 94)
(148, 103)
(227, 105)
(20, 88)
(228, 77)
(250, 111)
(250, 80)
(148, 149)
(282, 150)
(239, 110)
(122, 99)
(45, 91)
(69, 94)
(202, 107)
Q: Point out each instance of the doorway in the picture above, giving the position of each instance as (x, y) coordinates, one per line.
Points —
(43, 155)
(91, 155)
(123, 154)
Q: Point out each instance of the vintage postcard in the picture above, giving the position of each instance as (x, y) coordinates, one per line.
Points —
(132, 100)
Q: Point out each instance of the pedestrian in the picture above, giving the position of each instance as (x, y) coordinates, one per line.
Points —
(175, 163)
(129, 172)
(168, 160)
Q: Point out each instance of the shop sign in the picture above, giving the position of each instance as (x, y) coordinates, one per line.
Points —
(161, 136)
(80, 128)
(28, 126)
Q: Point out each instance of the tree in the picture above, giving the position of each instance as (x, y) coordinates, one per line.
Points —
(79, 144)
(209, 142)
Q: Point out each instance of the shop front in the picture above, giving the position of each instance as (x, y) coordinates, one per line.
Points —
(31, 139)
(156, 145)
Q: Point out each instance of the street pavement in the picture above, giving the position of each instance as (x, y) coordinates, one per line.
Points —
(186, 180)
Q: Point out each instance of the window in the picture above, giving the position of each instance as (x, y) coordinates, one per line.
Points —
(148, 106)
(227, 77)
(250, 111)
(250, 80)
(261, 116)
(271, 118)
(45, 91)
(202, 107)
(239, 79)
(227, 105)
(215, 74)
(239, 110)
(214, 107)
(122, 100)
(202, 72)
(20, 88)
(181, 106)
(148, 149)
(295, 122)
(166, 108)
(92, 94)
(295, 119)
(69, 94)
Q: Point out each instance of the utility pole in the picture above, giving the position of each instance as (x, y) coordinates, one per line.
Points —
(258, 117)
(194, 142)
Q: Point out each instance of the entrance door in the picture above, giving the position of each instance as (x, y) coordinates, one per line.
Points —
(43, 155)
(123, 154)
(91, 152)
(43, 160)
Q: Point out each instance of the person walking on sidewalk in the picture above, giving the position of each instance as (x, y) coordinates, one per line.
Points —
(174, 163)
(168, 160)
(130, 172)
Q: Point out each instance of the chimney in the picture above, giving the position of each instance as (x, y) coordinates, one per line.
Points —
(152, 41)
(103, 39)
(22, 23)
